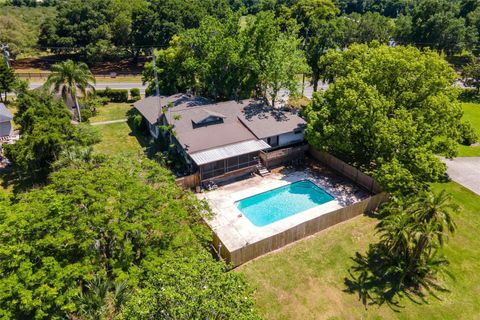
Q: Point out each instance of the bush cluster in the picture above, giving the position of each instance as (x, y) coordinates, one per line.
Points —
(114, 95)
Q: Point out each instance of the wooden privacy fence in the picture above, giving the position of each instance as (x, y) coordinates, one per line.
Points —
(305, 229)
(189, 182)
(346, 170)
(279, 157)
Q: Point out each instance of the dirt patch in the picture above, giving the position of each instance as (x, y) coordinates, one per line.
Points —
(43, 64)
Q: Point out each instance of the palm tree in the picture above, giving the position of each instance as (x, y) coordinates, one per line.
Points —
(68, 78)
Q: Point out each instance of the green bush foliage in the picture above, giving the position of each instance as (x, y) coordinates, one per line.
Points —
(135, 94)
(469, 136)
(114, 95)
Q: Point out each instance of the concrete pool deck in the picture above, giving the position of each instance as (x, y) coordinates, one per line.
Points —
(236, 231)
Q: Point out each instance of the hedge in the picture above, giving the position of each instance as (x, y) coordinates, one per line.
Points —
(114, 95)
(135, 94)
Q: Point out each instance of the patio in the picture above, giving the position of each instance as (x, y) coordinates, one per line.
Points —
(235, 231)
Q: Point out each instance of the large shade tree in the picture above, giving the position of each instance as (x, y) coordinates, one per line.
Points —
(224, 60)
(389, 111)
(69, 79)
(94, 226)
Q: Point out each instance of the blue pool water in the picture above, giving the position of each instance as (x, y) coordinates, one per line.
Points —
(277, 204)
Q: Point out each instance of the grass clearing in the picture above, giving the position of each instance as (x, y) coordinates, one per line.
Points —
(306, 280)
(471, 114)
(118, 139)
(112, 111)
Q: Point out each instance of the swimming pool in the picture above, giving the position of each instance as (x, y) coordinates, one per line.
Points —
(277, 204)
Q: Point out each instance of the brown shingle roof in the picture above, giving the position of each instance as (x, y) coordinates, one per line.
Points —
(266, 122)
(151, 107)
(242, 120)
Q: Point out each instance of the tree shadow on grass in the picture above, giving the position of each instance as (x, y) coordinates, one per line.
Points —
(10, 178)
(376, 279)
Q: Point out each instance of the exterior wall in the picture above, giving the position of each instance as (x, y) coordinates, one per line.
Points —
(153, 129)
(5, 128)
(288, 139)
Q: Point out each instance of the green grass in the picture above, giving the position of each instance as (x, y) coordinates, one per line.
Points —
(112, 111)
(118, 139)
(306, 280)
(471, 114)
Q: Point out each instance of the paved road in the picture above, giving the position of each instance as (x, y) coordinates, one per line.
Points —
(465, 171)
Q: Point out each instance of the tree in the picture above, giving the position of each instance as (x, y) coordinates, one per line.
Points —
(7, 79)
(46, 130)
(223, 60)
(471, 74)
(437, 24)
(282, 65)
(407, 259)
(207, 60)
(205, 291)
(68, 79)
(342, 31)
(388, 111)
(109, 222)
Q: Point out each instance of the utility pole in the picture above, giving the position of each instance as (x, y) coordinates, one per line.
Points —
(155, 74)
(157, 91)
(6, 53)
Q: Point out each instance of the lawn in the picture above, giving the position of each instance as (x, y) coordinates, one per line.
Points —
(471, 114)
(306, 280)
(112, 111)
(118, 139)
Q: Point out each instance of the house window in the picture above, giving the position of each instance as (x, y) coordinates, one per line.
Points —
(273, 141)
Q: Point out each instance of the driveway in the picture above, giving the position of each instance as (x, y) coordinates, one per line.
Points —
(465, 171)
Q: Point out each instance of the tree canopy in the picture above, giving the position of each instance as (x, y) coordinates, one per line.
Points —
(110, 220)
(205, 291)
(7, 79)
(223, 60)
(46, 130)
(388, 111)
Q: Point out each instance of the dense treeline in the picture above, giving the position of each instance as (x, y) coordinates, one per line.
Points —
(99, 30)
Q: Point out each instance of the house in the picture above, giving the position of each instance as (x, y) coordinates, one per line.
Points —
(5, 122)
(222, 139)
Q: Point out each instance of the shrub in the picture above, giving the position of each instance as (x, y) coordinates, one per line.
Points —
(135, 94)
(469, 95)
(114, 95)
(469, 136)
(137, 122)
